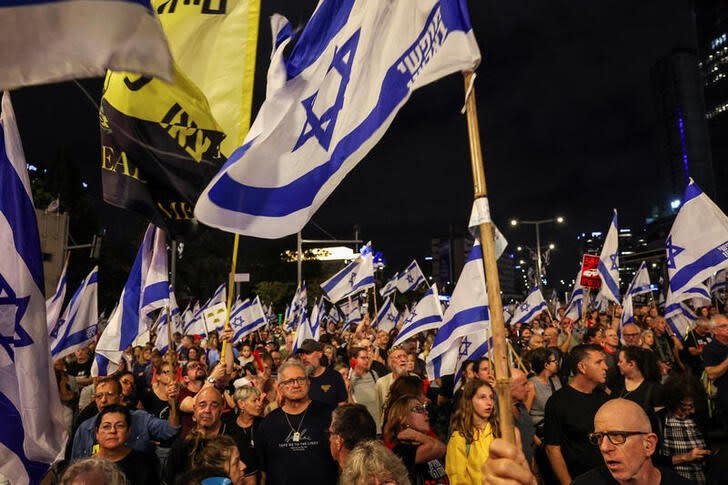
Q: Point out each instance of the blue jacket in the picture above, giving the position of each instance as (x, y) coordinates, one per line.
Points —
(144, 429)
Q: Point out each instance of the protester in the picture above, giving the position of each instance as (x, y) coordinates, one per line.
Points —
(507, 465)
(631, 335)
(569, 415)
(397, 362)
(112, 427)
(520, 391)
(474, 426)
(694, 343)
(249, 406)
(326, 385)
(484, 371)
(372, 463)
(291, 441)
(155, 402)
(221, 453)
(641, 382)
(93, 471)
(715, 356)
(625, 439)
(408, 429)
(351, 424)
(364, 384)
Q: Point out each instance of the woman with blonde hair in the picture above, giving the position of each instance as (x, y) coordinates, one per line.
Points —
(648, 340)
(408, 429)
(474, 426)
(249, 407)
(370, 463)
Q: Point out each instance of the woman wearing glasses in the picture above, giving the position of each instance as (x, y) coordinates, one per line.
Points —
(408, 430)
(474, 426)
(112, 430)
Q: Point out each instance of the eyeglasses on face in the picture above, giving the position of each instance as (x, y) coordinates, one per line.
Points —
(419, 409)
(615, 437)
(109, 394)
(296, 380)
(106, 427)
(630, 334)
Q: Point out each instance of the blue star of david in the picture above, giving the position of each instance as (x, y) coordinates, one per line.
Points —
(672, 251)
(464, 346)
(351, 279)
(323, 127)
(410, 279)
(613, 258)
(19, 337)
(390, 317)
(525, 307)
(412, 316)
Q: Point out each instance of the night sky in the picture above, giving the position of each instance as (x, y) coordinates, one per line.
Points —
(567, 120)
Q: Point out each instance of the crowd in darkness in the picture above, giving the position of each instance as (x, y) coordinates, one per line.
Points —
(592, 403)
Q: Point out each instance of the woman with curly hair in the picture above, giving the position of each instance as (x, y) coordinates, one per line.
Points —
(408, 429)
(474, 426)
(221, 453)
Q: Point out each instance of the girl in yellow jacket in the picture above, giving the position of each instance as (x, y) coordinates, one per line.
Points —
(473, 426)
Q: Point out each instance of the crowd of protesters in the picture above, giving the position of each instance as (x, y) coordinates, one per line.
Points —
(592, 403)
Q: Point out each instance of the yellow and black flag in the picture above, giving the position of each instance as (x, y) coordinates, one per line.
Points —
(159, 147)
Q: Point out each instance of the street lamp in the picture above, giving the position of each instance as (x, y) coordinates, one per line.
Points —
(557, 220)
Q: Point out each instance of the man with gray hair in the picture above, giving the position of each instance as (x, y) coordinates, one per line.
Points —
(715, 357)
(694, 343)
(351, 424)
(291, 441)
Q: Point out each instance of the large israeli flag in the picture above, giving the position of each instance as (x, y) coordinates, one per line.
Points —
(609, 263)
(353, 278)
(466, 315)
(410, 278)
(80, 322)
(146, 290)
(352, 68)
(574, 305)
(426, 315)
(387, 317)
(54, 305)
(530, 308)
(248, 318)
(32, 431)
(45, 41)
(697, 245)
(390, 287)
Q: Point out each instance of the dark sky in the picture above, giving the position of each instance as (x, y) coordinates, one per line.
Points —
(567, 124)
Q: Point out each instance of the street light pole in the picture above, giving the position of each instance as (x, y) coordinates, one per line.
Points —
(538, 254)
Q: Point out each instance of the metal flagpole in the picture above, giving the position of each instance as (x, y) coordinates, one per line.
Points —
(500, 352)
(231, 282)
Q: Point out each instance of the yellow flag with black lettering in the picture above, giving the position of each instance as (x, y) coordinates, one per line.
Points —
(214, 43)
(160, 146)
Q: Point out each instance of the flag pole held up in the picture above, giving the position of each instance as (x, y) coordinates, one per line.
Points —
(500, 353)
(231, 282)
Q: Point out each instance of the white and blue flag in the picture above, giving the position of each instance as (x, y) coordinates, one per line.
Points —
(197, 325)
(317, 313)
(390, 287)
(352, 315)
(80, 321)
(410, 278)
(146, 290)
(641, 282)
(717, 282)
(329, 102)
(32, 433)
(531, 307)
(608, 267)
(697, 245)
(54, 305)
(426, 315)
(353, 278)
(387, 317)
(49, 41)
(466, 316)
(248, 317)
(162, 342)
(679, 317)
(574, 305)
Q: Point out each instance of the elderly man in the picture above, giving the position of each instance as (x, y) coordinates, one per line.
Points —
(631, 334)
(291, 441)
(144, 428)
(351, 424)
(520, 388)
(397, 362)
(625, 439)
(715, 356)
(693, 345)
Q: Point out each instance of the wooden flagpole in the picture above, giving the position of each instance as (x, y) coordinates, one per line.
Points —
(500, 352)
(171, 354)
(231, 283)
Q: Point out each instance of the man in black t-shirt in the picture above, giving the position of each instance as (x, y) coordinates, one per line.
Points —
(715, 356)
(693, 344)
(81, 367)
(569, 415)
(292, 442)
(326, 385)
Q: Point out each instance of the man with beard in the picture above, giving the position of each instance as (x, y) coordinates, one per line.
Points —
(326, 385)
(397, 362)
(291, 441)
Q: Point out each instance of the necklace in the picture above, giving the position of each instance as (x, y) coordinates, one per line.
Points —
(296, 431)
(245, 433)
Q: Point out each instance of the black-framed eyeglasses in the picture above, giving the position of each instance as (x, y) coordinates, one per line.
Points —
(615, 437)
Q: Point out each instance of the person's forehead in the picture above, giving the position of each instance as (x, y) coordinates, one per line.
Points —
(112, 417)
(104, 386)
(292, 371)
(208, 396)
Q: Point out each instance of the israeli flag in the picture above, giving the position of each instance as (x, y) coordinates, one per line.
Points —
(609, 263)
(697, 245)
(79, 324)
(599, 302)
(679, 317)
(627, 311)
(32, 433)
(387, 317)
(390, 287)
(162, 342)
(530, 308)
(352, 315)
(317, 313)
(196, 326)
(410, 278)
(641, 282)
(51, 41)
(467, 314)
(352, 68)
(54, 305)
(717, 281)
(355, 277)
(334, 315)
(247, 318)
(146, 290)
(479, 214)
(699, 295)
(574, 305)
(426, 315)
